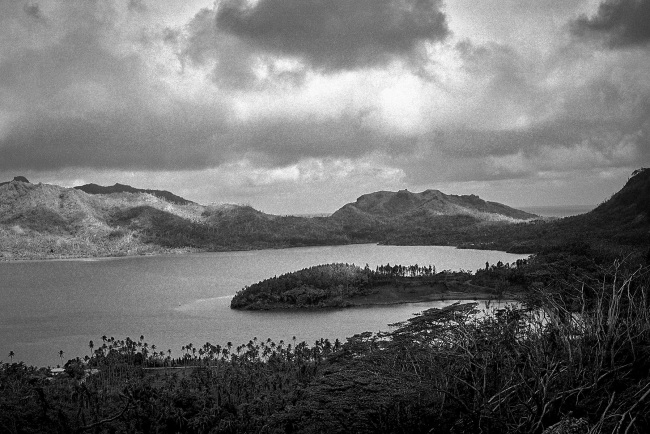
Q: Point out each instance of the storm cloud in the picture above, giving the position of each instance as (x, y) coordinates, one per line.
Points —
(620, 23)
(337, 34)
(308, 96)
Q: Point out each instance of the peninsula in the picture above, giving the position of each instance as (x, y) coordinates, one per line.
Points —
(347, 285)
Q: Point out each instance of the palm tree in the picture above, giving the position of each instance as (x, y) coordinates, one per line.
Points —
(11, 355)
(91, 345)
(61, 353)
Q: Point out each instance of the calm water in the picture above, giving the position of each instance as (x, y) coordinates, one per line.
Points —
(47, 306)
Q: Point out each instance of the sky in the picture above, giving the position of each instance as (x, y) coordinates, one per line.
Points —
(301, 106)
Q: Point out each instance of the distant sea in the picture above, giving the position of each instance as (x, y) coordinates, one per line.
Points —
(558, 211)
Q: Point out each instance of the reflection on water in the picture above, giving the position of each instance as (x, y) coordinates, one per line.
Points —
(49, 306)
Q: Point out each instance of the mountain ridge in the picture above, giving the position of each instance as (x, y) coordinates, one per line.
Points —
(124, 188)
(403, 203)
(16, 179)
(49, 221)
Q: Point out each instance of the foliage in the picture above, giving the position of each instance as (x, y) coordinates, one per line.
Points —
(331, 285)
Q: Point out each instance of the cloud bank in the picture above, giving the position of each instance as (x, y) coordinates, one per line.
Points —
(257, 94)
(621, 23)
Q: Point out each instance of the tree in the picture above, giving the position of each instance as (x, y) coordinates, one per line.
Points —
(11, 355)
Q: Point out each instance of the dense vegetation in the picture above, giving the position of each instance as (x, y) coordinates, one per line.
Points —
(331, 285)
(576, 353)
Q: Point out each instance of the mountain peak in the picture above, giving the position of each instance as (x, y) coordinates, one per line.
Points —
(387, 204)
(17, 179)
(123, 188)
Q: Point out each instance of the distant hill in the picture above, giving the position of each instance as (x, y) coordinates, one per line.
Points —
(122, 188)
(17, 179)
(48, 221)
(43, 220)
(427, 218)
(387, 204)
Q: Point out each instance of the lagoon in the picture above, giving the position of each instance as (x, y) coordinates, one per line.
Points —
(48, 306)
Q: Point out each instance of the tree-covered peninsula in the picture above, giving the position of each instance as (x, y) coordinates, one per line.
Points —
(346, 285)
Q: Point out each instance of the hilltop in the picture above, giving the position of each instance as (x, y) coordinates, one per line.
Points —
(388, 204)
(427, 218)
(122, 188)
(43, 220)
(17, 179)
(49, 221)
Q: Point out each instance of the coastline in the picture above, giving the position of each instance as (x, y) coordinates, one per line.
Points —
(11, 258)
(394, 295)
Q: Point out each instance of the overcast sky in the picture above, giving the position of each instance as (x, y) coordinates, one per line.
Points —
(300, 106)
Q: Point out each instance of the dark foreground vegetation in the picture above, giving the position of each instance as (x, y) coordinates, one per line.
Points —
(576, 353)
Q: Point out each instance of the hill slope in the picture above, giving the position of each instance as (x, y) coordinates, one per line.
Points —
(623, 221)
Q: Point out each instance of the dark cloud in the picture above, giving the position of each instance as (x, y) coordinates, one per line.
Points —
(74, 100)
(33, 10)
(233, 60)
(337, 34)
(285, 141)
(79, 90)
(137, 6)
(126, 141)
(621, 23)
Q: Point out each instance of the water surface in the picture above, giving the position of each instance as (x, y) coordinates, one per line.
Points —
(48, 306)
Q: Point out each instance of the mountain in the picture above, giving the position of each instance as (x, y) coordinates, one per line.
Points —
(46, 221)
(622, 219)
(17, 179)
(631, 203)
(402, 204)
(49, 221)
(427, 218)
(122, 188)
(621, 222)
(43, 220)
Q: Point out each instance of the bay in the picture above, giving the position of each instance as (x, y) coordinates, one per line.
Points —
(173, 300)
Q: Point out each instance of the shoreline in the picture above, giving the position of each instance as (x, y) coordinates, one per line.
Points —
(191, 250)
(393, 295)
